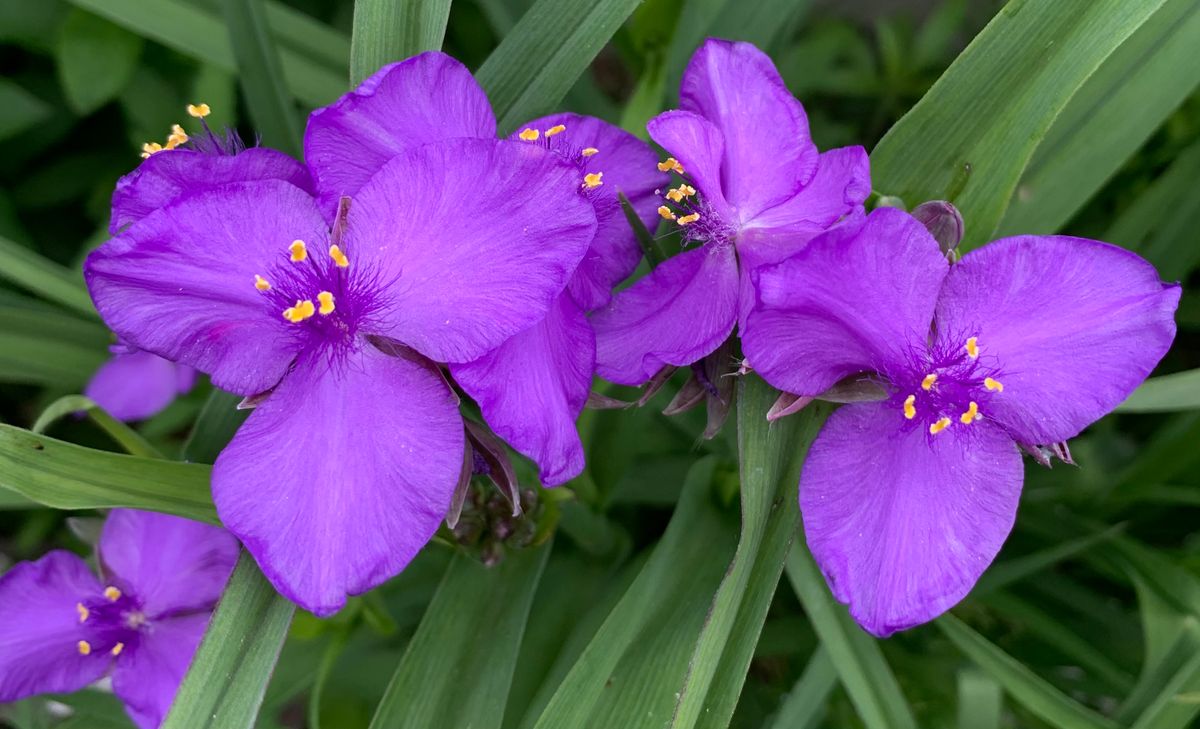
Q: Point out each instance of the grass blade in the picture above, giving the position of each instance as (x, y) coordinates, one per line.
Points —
(1166, 394)
(392, 30)
(804, 706)
(27, 270)
(258, 68)
(129, 439)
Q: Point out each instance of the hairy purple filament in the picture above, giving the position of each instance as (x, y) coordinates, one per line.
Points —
(113, 623)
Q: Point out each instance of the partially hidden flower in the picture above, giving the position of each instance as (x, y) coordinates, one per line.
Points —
(135, 385)
(751, 188)
(344, 470)
(62, 627)
(1024, 342)
(532, 387)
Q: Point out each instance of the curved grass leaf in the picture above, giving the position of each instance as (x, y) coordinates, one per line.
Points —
(128, 438)
(980, 701)
(804, 706)
(258, 69)
(392, 30)
(1161, 222)
(459, 667)
(970, 139)
(31, 272)
(1169, 393)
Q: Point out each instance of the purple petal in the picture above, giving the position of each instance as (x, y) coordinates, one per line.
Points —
(698, 145)
(147, 677)
(768, 151)
(169, 176)
(134, 386)
(426, 98)
(40, 629)
(475, 240)
(679, 313)
(533, 387)
(628, 166)
(840, 186)
(181, 282)
(903, 523)
(339, 478)
(1073, 325)
(171, 564)
(850, 301)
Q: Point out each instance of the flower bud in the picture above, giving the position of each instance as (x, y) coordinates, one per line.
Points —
(943, 222)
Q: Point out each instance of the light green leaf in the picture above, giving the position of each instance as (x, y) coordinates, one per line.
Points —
(1161, 222)
(226, 682)
(861, 666)
(392, 30)
(32, 272)
(128, 438)
(804, 706)
(470, 637)
(980, 701)
(1169, 393)
(96, 60)
(970, 139)
(1155, 689)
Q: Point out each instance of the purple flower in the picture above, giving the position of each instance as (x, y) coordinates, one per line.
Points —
(532, 387)
(752, 188)
(134, 385)
(1026, 341)
(61, 628)
(344, 471)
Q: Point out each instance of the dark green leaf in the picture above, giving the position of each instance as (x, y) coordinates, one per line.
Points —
(392, 30)
(19, 109)
(96, 60)
(128, 438)
(804, 706)
(259, 70)
(41, 276)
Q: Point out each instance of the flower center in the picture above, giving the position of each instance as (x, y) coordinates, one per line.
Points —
(698, 220)
(111, 623)
(950, 387)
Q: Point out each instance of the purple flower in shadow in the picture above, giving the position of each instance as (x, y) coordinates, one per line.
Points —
(135, 385)
(532, 387)
(62, 628)
(1026, 341)
(752, 188)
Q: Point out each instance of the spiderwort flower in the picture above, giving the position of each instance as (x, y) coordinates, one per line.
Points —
(1025, 341)
(752, 188)
(134, 385)
(62, 628)
(532, 387)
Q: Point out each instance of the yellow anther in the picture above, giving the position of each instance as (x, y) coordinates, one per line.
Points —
(298, 250)
(528, 134)
(972, 412)
(993, 385)
(338, 257)
(973, 347)
(927, 383)
(592, 179)
(83, 612)
(689, 219)
(670, 165)
(112, 593)
(910, 410)
(939, 426)
(556, 129)
(326, 300)
(178, 137)
(301, 311)
(666, 212)
(151, 148)
(589, 151)
(261, 284)
(199, 111)
(116, 649)
(85, 648)
(674, 195)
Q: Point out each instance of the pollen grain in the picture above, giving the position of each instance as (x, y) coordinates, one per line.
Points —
(689, 219)
(338, 257)
(939, 426)
(112, 593)
(556, 129)
(993, 384)
(592, 180)
(261, 283)
(972, 413)
(326, 300)
(910, 410)
(85, 648)
(589, 151)
(198, 111)
(83, 612)
(929, 381)
(298, 250)
(529, 135)
(666, 212)
(973, 347)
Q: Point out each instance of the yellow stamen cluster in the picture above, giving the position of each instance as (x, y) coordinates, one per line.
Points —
(529, 135)
(338, 257)
(666, 212)
(261, 283)
(993, 385)
(151, 148)
(83, 612)
(973, 347)
(670, 164)
(112, 593)
(592, 180)
(939, 426)
(325, 299)
(679, 193)
(85, 648)
(298, 251)
(972, 412)
(302, 310)
(928, 382)
(589, 151)
(198, 111)
(116, 649)
(689, 219)
(177, 136)
(910, 410)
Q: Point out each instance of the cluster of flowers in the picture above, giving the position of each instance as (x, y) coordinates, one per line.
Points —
(414, 251)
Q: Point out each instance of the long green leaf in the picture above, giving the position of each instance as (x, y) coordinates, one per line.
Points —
(770, 456)
(861, 666)
(391, 30)
(980, 701)
(26, 269)
(970, 139)
(1161, 222)
(66, 476)
(125, 436)
(804, 706)
(470, 637)
(1166, 394)
(1023, 685)
(227, 680)
(259, 71)
(540, 59)
(218, 421)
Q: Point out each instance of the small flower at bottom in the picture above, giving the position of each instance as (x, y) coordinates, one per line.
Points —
(62, 628)
(135, 385)
(1024, 342)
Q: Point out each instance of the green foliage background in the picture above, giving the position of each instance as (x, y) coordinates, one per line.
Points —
(667, 590)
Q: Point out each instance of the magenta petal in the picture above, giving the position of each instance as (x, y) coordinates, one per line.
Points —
(426, 98)
(628, 166)
(339, 478)
(148, 677)
(839, 187)
(174, 174)
(903, 523)
(135, 385)
(533, 387)
(1073, 326)
(172, 564)
(40, 628)
(180, 283)
(474, 239)
(768, 151)
(848, 302)
(698, 145)
(679, 313)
